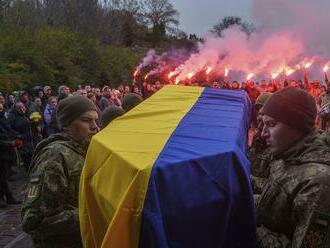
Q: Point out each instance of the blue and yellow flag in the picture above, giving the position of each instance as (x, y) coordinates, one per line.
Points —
(172, 172)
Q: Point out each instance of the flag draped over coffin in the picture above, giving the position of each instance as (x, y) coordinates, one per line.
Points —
(172, 172)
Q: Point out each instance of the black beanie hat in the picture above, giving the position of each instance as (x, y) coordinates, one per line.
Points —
(130, 101)
(293, 107)
(71, 108)
(109, 114)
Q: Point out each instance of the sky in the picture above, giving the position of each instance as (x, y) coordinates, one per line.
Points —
(198, 16)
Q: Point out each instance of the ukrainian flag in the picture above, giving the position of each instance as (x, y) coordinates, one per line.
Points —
(172, 172)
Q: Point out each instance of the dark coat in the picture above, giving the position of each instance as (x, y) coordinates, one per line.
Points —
(21, 124)
(7, 138)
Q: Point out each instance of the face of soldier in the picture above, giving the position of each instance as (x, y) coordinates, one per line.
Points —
(278, 136)
(84, 127)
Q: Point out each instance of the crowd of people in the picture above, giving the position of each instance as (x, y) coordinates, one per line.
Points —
(48, 133)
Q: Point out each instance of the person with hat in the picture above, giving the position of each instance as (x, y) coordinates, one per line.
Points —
(109, 114)
(258, 154)
(50, 209)
(130, 101)
(19, 121)
(293, 209)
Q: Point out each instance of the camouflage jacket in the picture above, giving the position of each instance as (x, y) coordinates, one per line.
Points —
(50, 209)
(260, 158)
(298, 185)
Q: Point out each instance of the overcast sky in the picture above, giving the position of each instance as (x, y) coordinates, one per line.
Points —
(198, 16)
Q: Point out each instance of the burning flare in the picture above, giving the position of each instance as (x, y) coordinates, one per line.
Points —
(190, 75)
(146, 77)
(308, 64)
(289, 71)
(226, 72)
(274, 75)
(136, 73)
(250, 76)
(325, 68)
(209, 69)
(171, 74)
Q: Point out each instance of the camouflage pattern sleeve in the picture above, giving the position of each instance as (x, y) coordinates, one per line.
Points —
(45, 212)
(268, 239)
(258, 184)
(310, 197)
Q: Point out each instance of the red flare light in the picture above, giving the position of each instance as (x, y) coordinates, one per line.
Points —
(209, 69)
(289, 71)
(307, 65)
(190, 75)
(249, 76)
(274, 75)
(171, 74)
(135, 73)
(146, 77)
(226, 72)
(325, 68)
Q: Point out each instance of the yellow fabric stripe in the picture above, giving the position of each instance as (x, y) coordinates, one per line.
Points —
(116, 173)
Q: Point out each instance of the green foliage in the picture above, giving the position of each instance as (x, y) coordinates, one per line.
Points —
(49, 56)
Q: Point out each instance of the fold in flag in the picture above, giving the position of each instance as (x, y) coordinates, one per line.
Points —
(172, 172)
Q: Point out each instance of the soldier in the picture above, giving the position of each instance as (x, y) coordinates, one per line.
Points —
(258, 153)
(50, 210)
(298, 187)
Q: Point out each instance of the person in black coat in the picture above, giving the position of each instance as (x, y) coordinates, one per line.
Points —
(20, 122)
(7, 143)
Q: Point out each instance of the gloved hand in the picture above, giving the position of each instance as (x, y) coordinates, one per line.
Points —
(18, 143)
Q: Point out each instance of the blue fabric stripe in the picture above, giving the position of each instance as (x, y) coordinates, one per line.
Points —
(199, 193)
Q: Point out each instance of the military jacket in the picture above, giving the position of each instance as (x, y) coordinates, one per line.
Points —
(50, 210)
(260, 158)
(298, 186)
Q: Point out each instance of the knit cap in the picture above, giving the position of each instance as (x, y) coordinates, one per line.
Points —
(71, 108)
(293, 107)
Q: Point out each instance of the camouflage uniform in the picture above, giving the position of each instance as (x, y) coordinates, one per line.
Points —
(260, 159)
(298, 186)
(50, 210)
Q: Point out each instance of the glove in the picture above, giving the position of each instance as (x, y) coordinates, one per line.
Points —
(18, 143)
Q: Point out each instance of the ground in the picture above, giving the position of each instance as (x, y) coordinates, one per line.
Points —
(11, 234)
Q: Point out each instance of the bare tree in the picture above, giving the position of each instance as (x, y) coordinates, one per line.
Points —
(161, 16)
(230, 21)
